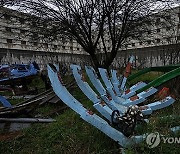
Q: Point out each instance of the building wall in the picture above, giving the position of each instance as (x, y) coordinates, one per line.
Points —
(150, 56)
(18, 46)
(15, 33)
(160, 45)
(12, 56)
(161, 31)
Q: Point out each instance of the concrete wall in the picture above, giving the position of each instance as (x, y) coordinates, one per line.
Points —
(10, 56)
(152, 56)
(145, 57)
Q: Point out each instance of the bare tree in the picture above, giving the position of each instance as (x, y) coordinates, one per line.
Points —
(101, 27)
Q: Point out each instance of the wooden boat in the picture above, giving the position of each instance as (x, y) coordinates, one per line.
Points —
(17, 73)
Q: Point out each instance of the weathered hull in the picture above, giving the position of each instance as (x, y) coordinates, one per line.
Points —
(16, 80)
(87, 115)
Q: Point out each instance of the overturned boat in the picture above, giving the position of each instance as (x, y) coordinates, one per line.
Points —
(14, 74)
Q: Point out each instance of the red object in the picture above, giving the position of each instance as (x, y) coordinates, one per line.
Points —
(109, 97)
(128, 70)
(90, 112)
(83, 77)
(127, 91)
(133, 98)
(143, 107)
(103, 103)
(163, 93)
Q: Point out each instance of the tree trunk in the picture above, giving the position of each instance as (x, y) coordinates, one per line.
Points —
(95, 63)
(109, 59)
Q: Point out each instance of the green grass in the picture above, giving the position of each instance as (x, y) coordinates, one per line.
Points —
(15, 101)
(6, 93)
(38, 83)
(146, 77)
(70, 134)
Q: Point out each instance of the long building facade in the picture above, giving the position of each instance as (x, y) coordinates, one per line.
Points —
(160, 44)
(18, 46)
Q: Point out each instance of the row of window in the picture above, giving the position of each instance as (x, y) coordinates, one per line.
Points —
(150, 41)
(9, 17)
(10, 41)
(9, 29)
(35, 35)
(158, 30)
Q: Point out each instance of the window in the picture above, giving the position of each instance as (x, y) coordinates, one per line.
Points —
(158, 30)
(149, 41)
(21, 20)
(71, 40)
(55, 46)
(7, 17)
(158, 40)
(35, 43)
(133, 44)
(178, 37)
(168, 40)
(71, 48)
(168, 17)
(149, 31)
(77, 48)
(22, 31)
(158, 20)
(23, 42)
(140, 43)
(55, 37)
(45, 45)
(34, 24)
(9, 40)
(168, 28)
(35, 36)
(140, 34)
(8, 29)
(63, 47)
